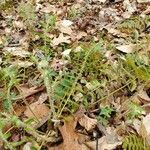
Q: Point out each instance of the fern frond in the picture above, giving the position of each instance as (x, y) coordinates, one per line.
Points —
(93, 48)
(133, 142)
(63, 86)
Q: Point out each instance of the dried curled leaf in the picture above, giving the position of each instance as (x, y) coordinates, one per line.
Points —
(87, 123)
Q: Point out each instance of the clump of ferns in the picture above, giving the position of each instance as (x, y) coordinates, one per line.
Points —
(69, 83)
(134, 142)
(94, 62)
(138, 66)
(97, 68)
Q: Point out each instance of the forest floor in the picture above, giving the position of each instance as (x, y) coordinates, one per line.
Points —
(75, 75)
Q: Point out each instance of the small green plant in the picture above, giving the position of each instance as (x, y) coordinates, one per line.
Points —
(63, 86)
(105, 114)
(16, 123)
(140, 70)
(47, 25)
(73, 12)
(47, 74)
(27, 12)
(134, 110)
(9, 78)
(135, 23)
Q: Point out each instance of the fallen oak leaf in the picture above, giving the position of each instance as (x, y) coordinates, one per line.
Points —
(64, 26)
(48, 9)
(127, 48)
(27, 146)
(146, 12)
(1, 41)
(70, 137)
(66, 30)
(61, 39)
(80, 35)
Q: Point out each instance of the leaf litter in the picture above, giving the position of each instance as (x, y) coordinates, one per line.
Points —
(72, 27)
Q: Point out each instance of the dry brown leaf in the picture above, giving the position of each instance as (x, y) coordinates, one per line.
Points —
(127, 48)
(108, 142)
(80, 35)
(24, 64)
(43, 97)
(146, 108)
(137, 125)
(19, 24)
(101, 1)
(130, 8)
(87, 123)
(116, 32)
(25, 91)
(1, 144)
(143, 1)
(49, 9)
(19, 109)
(70, 137)
(64, 26)
(144, 96)
(66, 30)
(61, 39)
(146, 124)
(103, 144)
(36, 110)
(147, 11)
(16, 51)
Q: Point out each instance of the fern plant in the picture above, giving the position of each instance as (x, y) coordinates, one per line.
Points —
(105, 114)
(133, 142)
(62, 87)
